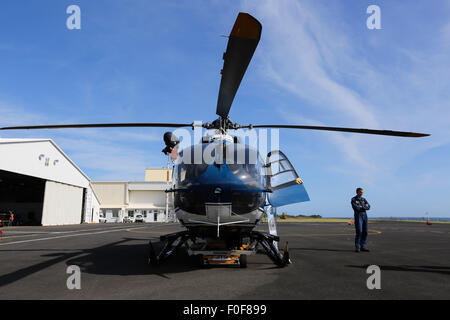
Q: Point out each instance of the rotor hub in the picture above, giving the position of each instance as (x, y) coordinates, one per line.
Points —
(222, 124)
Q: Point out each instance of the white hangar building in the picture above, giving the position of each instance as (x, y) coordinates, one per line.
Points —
(42, 186)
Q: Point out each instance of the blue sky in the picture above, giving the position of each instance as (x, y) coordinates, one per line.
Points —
(316, 63)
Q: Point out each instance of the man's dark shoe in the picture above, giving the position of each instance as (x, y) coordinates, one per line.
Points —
(357, 250)
(365, 250)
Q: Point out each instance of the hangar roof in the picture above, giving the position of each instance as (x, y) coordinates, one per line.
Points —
(41, 158)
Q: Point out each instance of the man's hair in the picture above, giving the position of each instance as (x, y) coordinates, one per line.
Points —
(358, 189)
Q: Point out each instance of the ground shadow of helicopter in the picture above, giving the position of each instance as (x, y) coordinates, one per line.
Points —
(117, 258)
(122, 259)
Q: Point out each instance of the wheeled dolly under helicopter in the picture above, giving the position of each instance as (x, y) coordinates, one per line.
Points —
(208, 254)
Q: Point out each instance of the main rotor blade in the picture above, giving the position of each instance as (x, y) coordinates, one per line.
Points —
(100, 125)
(243, 40)
(354, 130)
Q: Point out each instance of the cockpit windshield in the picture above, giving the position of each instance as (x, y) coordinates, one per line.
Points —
(190, 164)
(243, 161)
(246, 164)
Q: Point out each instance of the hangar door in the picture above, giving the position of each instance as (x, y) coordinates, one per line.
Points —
(22, 195)
(63, 204)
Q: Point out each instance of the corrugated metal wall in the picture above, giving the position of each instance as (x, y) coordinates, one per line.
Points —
(62, 204)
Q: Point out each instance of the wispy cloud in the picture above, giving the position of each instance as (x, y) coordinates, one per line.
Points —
(12, 114)
(304, 57)
(309, 52)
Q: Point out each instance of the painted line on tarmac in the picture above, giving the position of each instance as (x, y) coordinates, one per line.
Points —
(373, 232)
(38, 233)
(57, 232)
(147, 232)
(22, 232)
(66, 236)
(23, 236)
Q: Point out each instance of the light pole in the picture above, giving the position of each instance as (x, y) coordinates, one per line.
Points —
(167, 194)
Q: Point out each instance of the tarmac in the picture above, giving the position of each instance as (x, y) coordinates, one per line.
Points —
(414, 262)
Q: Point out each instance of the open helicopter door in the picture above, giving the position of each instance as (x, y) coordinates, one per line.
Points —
(283, 181)
(286, 186)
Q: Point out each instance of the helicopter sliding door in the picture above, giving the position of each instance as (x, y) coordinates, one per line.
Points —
(283, 180)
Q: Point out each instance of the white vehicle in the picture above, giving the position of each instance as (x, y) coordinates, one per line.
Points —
(139, 218)
(101, 219)
(127, 219)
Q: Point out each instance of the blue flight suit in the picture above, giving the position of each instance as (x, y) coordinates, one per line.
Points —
(360, 205)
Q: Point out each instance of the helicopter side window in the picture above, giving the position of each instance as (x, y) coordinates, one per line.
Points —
(187, 169)
(175, 178)
(182, 171)
(244, 168)
(282, 173)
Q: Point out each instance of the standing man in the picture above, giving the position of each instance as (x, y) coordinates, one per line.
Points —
(360, 205)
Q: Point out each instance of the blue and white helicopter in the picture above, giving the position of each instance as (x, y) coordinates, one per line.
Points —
(220, 201)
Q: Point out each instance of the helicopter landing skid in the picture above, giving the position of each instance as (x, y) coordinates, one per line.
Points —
(266, 240)
(174, 241)
(169, 248)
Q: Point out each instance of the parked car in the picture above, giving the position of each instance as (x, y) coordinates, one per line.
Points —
(101, 219)
(139, 218)
(127, 219)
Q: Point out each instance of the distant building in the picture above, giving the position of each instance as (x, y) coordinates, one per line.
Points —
(158, 175)
(120, 199)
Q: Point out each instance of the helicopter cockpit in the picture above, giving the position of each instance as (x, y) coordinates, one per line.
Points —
(219, 172)
(242, 161)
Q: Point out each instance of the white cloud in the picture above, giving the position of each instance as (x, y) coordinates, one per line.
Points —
(307, 59)
(307, 50)
(12, 114)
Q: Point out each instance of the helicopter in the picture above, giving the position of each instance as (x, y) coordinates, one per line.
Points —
(220, 199)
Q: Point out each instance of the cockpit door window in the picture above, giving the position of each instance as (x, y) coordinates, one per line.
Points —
(286, 185)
